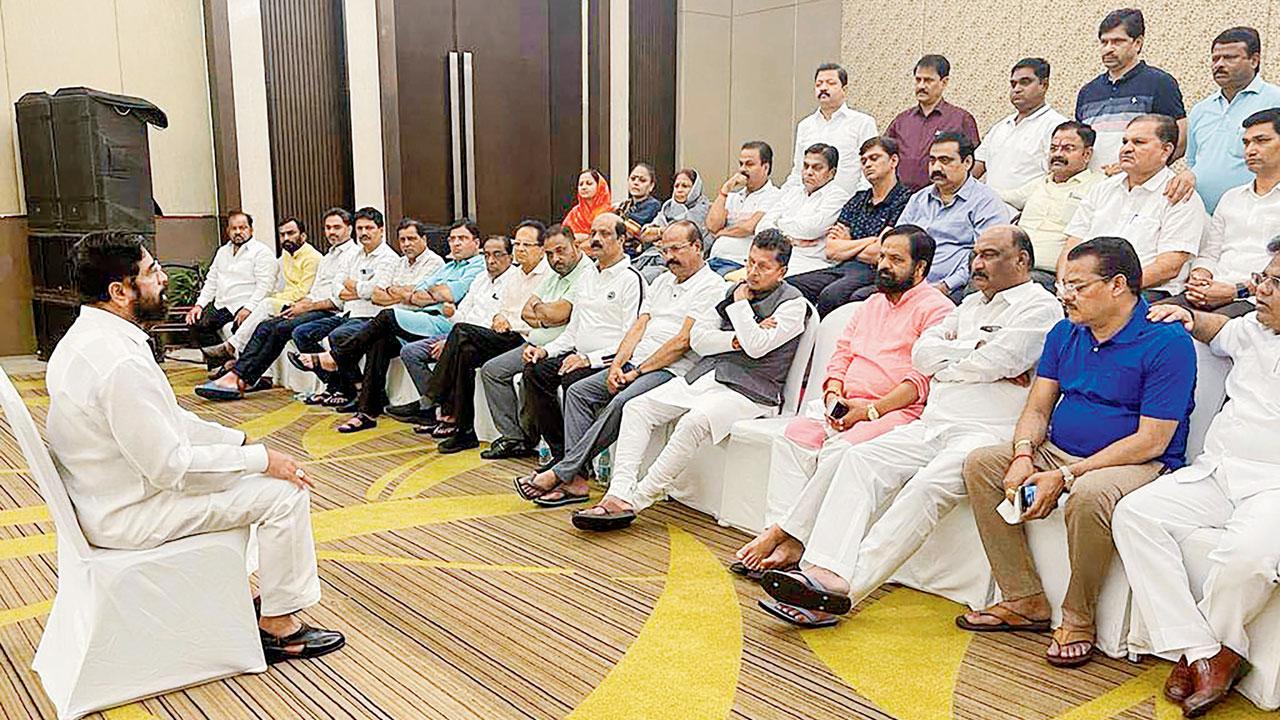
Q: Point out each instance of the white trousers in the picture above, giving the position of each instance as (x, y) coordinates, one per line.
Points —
(916, 468)
(798, 481)
(265, 309)
(1148, 526)
(640, 418)
(287, 576)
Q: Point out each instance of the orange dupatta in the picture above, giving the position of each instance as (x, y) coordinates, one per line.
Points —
(580, 215)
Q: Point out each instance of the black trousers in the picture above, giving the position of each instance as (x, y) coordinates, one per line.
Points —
(204, 332)
(453, 384)
(379, 343)
(542, 381)
(832, 287)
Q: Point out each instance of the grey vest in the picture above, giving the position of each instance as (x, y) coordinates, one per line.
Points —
(760, 379)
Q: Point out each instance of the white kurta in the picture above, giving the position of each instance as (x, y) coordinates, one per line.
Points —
(239, 277)
(1234, 485)
(141, 471)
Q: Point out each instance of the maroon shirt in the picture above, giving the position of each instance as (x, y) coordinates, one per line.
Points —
(914, 133)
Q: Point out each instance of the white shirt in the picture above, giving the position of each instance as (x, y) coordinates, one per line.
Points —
(968, 386)
(332, 271)
(1143, 217)
(239, 277)
(1242, 446)
(739, 206)
(1235, 241)
(406, 273)
(1015, 152)
(484, 296)
(806, 216)
(516, 291)
(370, 270)
(668, 304)
(116, 427)
(845, 131)
(607, 304)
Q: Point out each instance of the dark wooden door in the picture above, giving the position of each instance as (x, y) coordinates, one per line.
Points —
(424, 35)
(308, 110)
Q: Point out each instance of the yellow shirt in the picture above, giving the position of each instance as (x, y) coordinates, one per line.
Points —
(299, 272)
(1047, 207)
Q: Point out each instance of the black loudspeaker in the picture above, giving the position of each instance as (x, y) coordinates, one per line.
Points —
(85, 160)
(54, 313)
(52, 262)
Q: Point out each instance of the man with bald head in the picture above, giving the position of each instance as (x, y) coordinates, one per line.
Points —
(981, 359)
(608, 303)
(655, 349)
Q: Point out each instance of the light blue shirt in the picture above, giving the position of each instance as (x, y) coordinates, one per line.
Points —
(1215, 152)
(455, 275)
(955, 227)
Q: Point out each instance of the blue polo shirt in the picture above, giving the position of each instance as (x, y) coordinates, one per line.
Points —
(1215, 128)
(1108, 106)
(1147, 369)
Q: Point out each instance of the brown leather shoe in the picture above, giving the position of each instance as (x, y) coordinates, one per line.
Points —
(1179, 684)
(1213, 679)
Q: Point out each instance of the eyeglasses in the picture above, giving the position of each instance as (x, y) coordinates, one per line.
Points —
(672, 249)
(1270, 282)
(1066, 289)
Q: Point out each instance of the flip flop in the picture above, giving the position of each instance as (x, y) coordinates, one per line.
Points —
(213, 391)
(602, 523)
(1065, 636)
(295, 359)
(795, 588)
(565, 498)
(222, 369)
(738, 568)
(357, 423)
(316, 398)
(524, 481)
(812, 618)
(264, 383)
(1010, 621)
(335, 400)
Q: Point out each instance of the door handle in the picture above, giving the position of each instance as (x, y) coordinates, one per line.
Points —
(455, 134)
(469, 131)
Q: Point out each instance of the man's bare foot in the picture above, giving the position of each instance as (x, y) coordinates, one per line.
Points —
(231, 381)
(545, 481)
(326, 361)
(827, 579)
(753, 553)
(786, 555)
(1033, 608)
(608, 504)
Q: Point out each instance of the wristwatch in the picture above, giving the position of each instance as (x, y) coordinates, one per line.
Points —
(1068, 477)
(872, 413)
(1242, 291)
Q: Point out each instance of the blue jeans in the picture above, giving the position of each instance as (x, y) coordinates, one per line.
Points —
(722, 266)
(269, 340)
(308, 336)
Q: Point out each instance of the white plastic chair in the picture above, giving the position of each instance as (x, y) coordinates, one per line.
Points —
(129, 624)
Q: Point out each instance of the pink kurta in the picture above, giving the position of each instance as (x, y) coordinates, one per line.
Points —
(873, 356)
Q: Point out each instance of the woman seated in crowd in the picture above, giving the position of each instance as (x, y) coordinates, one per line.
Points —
(640, 207)
(687, 203)
(593, 199)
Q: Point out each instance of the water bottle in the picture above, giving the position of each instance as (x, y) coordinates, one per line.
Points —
(544, 453)
(604, 468)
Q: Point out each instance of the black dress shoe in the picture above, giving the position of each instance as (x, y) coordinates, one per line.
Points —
(411, 413)
(350, 407)
(457, 443)
(314, 641)
(507, 448)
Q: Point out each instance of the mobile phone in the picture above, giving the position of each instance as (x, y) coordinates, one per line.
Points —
(1026, 497)
(838, 410)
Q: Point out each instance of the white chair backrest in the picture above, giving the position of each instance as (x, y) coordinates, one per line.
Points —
(794, 386)
(1211, 393)
(42, 467)
(829, 332)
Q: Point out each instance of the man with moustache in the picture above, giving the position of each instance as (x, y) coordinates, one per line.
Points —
(608, 304)
(654, 350)
(915, 128)
(741, 203)
(870, 388)
(805, 212)
(242, 274)
(272, 335)
(982, 358)
(747, 343)
(1015, 150)
(1233, 485)
(1106, 415)
(141, 471)
(834, 123)
(1048, 203)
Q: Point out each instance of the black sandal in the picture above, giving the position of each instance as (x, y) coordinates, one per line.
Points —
(314, 641)
(316, 398)
(358, 422)
(335, 400)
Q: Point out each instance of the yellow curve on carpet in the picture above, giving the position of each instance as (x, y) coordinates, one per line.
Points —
(27, 545)
(437, 470)
(128, 712)
(322, 439)
(438, 564)
(25, 612)
(685, 661)
(1148, 685)
(903, 653)
(346, 522)
(25, 515)
(384, 480)
(274, 421)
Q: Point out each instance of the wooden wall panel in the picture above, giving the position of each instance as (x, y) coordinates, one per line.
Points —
(308, 108)
(653, 92)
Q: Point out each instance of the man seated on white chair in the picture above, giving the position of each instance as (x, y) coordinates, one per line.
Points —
(870, 388)
(1234, 486)
(981, 358)
(747, 343)
(299, 262)
(141, 471)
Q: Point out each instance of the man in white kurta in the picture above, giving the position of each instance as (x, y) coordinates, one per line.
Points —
(980, 359)
(747, 344)
(1233, 487)
(141, 471)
